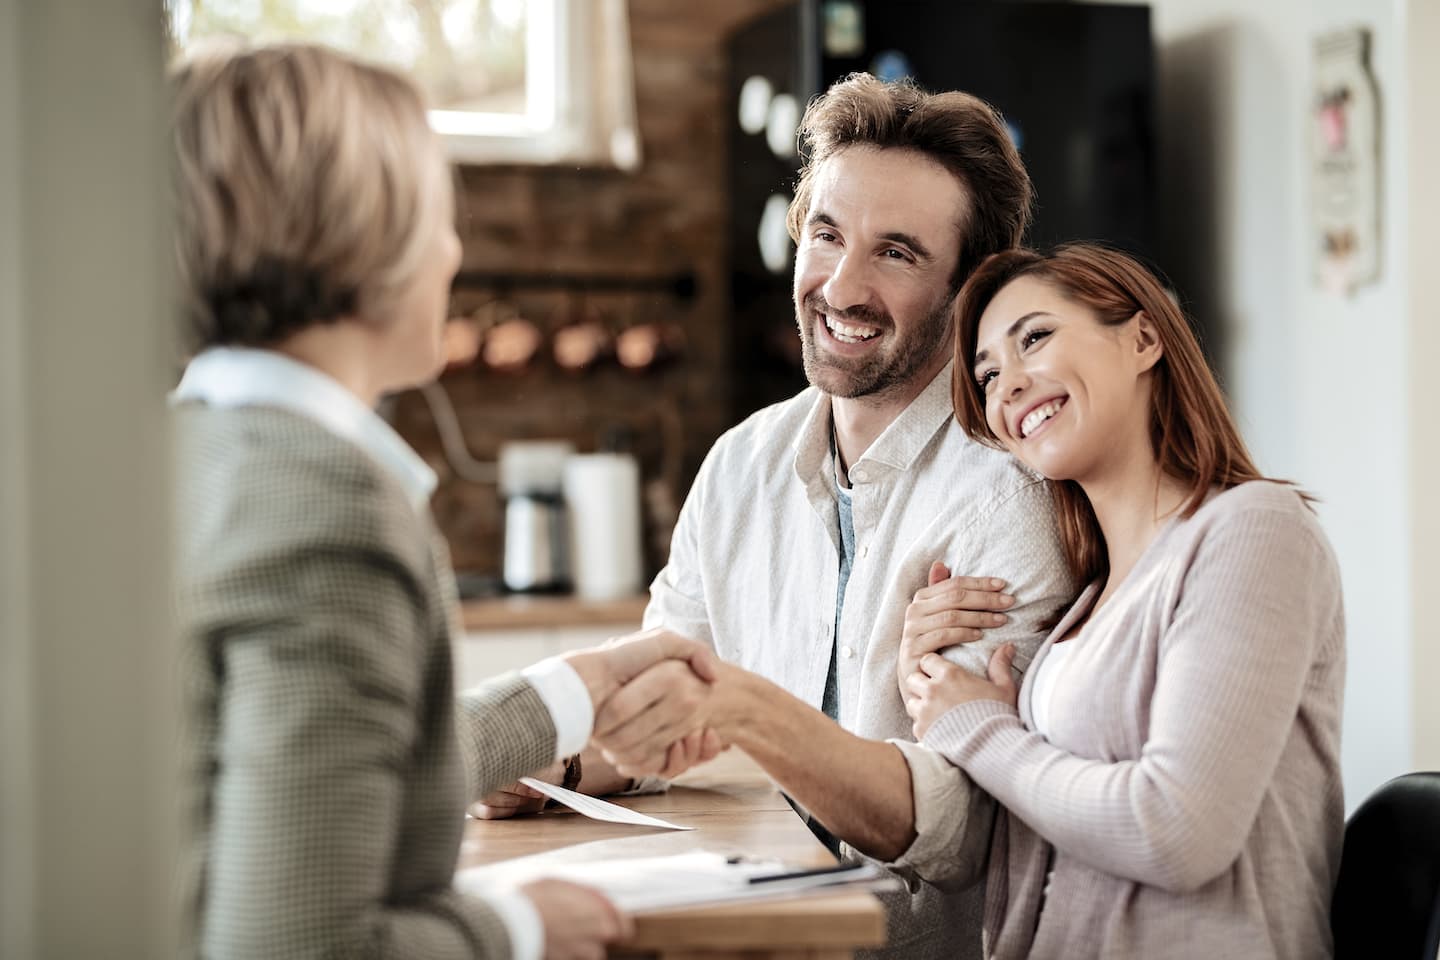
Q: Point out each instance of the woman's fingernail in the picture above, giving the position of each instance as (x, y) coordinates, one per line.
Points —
(1006, 599)
(998, 618)
(997, 583)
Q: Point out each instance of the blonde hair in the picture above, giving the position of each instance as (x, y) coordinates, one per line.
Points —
(308, 184)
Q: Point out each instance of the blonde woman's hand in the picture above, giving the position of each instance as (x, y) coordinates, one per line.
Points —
(950, 610)
(517, 799)
(648, 727)
(607, 669)
(578, 921)
(938, 686)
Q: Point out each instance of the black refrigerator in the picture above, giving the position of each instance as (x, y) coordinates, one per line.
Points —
(1074, 81)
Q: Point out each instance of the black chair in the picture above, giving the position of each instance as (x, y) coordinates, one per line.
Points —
(1387, 899)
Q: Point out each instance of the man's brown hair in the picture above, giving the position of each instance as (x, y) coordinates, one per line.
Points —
(963, 134)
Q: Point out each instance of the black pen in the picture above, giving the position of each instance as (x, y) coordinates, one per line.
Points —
(817, 872)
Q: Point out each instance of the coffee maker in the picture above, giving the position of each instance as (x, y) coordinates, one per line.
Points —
(537, 548)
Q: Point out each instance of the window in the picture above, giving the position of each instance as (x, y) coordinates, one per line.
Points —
(509, 81)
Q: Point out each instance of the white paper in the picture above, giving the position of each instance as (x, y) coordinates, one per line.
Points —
(641, 884)
(598, 809)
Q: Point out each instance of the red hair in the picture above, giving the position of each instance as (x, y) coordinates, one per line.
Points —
(1192, 434)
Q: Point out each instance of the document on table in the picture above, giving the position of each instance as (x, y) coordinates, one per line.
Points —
(641, 884)
(598, 809)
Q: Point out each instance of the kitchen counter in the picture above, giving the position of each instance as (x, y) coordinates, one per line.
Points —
(525, 612)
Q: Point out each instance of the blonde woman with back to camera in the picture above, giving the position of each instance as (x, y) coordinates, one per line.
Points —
(1169, 768)
(329, 761)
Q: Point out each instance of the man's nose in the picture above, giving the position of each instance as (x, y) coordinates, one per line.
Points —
(848, 285)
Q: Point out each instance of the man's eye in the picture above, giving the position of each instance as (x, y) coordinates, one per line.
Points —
(894, 254)
(825, 237)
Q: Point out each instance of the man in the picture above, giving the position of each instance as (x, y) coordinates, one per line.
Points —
(813, 523)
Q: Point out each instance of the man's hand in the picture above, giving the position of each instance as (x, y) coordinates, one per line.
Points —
(939, 686)
(950, 610)
(605, 669)
(517, 799)
(578, 921)
(695, 749)
(643, 728)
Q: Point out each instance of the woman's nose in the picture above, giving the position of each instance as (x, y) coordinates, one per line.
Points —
(1012, 382)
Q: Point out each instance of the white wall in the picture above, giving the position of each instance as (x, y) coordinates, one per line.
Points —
(88, 730)
(1423, 36)
(1321, 385)
(1355, 437)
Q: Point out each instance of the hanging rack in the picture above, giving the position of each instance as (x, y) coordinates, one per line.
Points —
(682, 285)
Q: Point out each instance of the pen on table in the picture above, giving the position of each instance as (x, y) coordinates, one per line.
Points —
(817, 872)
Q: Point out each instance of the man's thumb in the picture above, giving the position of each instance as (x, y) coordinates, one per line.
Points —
(938, 572)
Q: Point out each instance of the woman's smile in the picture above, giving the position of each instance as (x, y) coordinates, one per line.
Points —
(1038, 417)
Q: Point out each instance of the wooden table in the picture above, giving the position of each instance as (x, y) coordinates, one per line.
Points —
(735, 809)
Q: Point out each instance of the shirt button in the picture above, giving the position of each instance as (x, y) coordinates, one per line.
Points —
(847, 652)
(865, 550)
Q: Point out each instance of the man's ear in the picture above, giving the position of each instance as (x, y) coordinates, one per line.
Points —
(1148, 348)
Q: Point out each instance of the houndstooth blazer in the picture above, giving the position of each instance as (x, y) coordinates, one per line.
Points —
(328, 761)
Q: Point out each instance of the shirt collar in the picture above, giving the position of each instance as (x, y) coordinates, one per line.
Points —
(228, 377)
(897, 447)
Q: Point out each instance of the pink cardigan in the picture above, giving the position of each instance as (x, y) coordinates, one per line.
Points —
(1190, 804)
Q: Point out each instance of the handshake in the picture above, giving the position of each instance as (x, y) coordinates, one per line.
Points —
(653, 694)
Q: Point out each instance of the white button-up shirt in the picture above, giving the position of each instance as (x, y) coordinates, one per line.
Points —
(754, 569)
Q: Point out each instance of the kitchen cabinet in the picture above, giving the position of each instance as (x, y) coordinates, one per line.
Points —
(512, 632)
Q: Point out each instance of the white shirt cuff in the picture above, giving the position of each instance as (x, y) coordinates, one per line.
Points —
(565, 696)
(522, 922)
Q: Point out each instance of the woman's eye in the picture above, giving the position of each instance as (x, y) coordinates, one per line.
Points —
(825, 237)
(1033, 337)
(985, 379)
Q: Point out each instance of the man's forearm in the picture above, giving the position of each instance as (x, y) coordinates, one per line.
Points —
(859, 789)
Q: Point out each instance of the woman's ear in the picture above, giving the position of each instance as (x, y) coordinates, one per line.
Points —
(1148, 348)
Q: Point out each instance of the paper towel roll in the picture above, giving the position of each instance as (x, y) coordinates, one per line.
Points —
(602, 491)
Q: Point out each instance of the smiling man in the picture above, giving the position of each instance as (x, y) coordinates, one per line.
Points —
(812, 524)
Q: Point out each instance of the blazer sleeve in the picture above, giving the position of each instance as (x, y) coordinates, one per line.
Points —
(317, 717)
(1257, 599)
(506, 732)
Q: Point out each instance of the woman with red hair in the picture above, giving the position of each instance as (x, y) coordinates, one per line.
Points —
(1169, 767)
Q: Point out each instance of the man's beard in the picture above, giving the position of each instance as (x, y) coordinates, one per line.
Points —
(882, 372)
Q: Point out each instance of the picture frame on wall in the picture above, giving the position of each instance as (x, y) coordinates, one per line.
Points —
(1345, 158)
